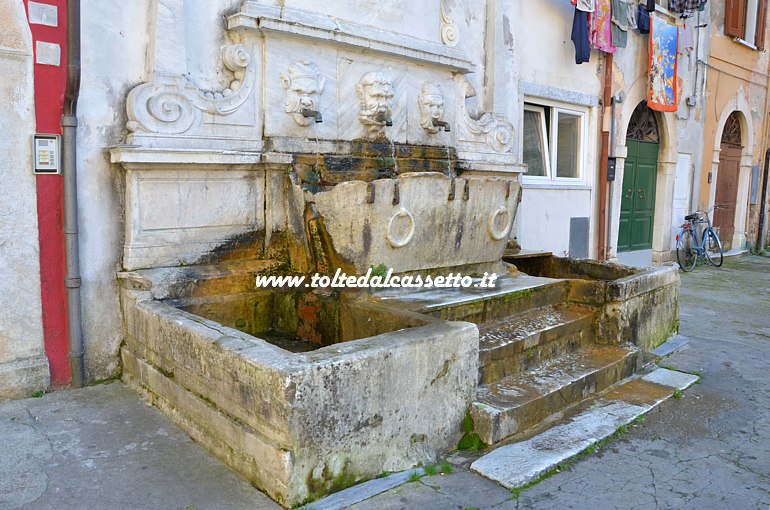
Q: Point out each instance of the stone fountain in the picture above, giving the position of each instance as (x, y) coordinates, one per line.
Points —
(337, 145)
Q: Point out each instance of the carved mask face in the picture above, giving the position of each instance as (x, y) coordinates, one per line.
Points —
(431, 103)
(377, 98)
(304, 86)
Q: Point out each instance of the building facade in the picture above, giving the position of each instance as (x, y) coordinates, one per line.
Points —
(512, 94)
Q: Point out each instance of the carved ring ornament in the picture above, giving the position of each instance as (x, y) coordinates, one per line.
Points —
(497, 233)
(399, 241)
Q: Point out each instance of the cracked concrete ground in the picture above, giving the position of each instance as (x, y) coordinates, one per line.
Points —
(103, 447)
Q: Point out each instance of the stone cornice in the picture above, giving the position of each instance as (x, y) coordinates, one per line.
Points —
(296, 23)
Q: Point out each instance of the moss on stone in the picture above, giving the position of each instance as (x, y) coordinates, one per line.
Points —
(470, 440)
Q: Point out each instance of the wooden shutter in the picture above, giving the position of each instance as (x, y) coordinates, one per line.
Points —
(761, 25)
(735, 18)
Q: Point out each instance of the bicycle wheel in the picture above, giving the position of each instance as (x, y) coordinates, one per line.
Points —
(713, 248)
(686, 253)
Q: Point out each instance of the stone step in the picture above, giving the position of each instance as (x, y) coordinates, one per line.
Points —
(512, 294)
(515, 344)
(517, 464)
(518, 402)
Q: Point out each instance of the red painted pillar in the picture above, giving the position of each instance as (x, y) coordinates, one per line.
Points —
(48, 25)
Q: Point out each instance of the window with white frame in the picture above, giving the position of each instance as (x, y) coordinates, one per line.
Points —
(554, 143)
(746, 20)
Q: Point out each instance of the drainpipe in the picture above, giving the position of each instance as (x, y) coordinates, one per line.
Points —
(616, 100)
(69, 124)
(762, 205)
(604, 162)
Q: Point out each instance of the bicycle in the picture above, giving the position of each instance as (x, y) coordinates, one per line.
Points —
(689, 249)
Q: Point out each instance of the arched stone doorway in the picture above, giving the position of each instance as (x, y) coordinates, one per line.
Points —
(728, 175)
(637, 207)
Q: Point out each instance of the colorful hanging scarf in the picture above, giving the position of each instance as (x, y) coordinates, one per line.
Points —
(662, 93)
(601, 26)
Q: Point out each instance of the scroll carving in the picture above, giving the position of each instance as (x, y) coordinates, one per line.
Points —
(449, 34)
(174, 105)
(492, 128)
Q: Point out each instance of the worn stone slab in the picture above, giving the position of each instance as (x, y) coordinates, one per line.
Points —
(358, 493)
(672, 378)
(519, 463)
(671, 346)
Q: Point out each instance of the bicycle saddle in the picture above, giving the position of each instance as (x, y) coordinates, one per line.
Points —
(689, 217)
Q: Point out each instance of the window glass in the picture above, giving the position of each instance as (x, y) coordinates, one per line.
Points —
(534, 143)
(568, 145)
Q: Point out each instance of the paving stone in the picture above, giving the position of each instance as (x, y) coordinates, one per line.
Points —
(520, 463)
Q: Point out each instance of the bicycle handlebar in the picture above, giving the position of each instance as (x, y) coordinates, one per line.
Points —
(703, 213)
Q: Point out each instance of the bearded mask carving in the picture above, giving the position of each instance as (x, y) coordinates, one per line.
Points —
(375, 93)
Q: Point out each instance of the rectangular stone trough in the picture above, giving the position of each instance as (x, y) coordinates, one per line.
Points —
(381, 390)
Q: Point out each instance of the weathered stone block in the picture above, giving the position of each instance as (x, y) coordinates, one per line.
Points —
(302, 425)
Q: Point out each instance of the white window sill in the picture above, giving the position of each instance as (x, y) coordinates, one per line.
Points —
(555, 185)
(665, 12)
(745, 43)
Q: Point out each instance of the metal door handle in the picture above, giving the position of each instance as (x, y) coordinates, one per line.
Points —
(630, 193)
(642, 194)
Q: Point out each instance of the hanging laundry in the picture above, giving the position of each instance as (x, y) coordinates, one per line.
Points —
(619, 23)
(662, 92)
(643, 20)
(687, 43)
(584, 5)
(631, 8)
(601, 26)
(580, 37)
(683, 6)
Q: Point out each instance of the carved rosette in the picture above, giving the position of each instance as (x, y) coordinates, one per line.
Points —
(493, 129)
(449, 33)
(174, 105)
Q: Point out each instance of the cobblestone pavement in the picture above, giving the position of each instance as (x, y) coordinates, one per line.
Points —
(104, 448)
(707, 450)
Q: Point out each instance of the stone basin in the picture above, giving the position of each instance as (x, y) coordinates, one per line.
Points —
(377, 388)
(298, 321)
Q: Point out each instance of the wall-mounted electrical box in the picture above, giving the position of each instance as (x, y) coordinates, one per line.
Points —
(611, 167)
(46, 154)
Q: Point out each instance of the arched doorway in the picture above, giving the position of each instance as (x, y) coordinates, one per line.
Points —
(637, 207)
(727, 179)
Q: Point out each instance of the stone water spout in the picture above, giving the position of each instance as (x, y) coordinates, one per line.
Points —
(441, 124)
(312, 114)
(384, 118)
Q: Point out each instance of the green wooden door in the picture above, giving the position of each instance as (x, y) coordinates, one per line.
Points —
(637, 208)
